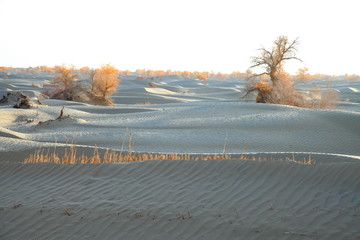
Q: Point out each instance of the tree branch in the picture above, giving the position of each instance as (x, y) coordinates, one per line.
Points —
(248, 92)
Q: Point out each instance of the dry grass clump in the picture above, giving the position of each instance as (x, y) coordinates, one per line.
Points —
(70, 156)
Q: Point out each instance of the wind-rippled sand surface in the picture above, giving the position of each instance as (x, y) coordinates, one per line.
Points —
(224, 199)
(217, 199)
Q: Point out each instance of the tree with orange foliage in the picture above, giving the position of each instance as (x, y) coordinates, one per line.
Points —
(159, 73)
(44, 68)
(105, 81)
(186, 74)
(140, 72)
(125, 73)
(202, 76)
(3, 68)
(65, 76)
(303, 75)
(84, 69)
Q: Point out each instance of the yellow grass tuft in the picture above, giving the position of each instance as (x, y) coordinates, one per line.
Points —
(70, 156)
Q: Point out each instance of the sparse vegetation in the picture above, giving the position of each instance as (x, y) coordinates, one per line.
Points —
(149, 73)
(272, 85)
(202, 76)
(302, 75)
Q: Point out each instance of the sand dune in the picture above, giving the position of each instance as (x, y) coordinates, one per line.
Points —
(201, 127)
(354, 89)
(217, 199)
(159, 91)
(226, 199)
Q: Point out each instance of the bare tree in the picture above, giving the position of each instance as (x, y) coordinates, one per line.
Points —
(274, 85)
(273, 60)
(280, 88)
(302, 75)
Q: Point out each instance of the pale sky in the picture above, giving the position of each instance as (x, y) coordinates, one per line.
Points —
(194, 35)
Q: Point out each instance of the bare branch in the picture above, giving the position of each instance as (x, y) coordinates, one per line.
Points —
(258, 75)
(248, 92)
(273, 60)
(295, 58)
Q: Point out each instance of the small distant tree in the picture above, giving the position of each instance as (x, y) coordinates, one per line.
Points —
(84, 69)
(352, 77)
(44, 68)
(105, 81)
(140, 72)
(6, 70)
(125, 73)
(303, 75)
(66, 76)
(202, 76)
(159, 73)
(186, 74)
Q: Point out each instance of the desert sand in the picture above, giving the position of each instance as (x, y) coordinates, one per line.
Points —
(179, 199)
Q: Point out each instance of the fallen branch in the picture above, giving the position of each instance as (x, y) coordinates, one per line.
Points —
(59, 118)
(61, 115)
